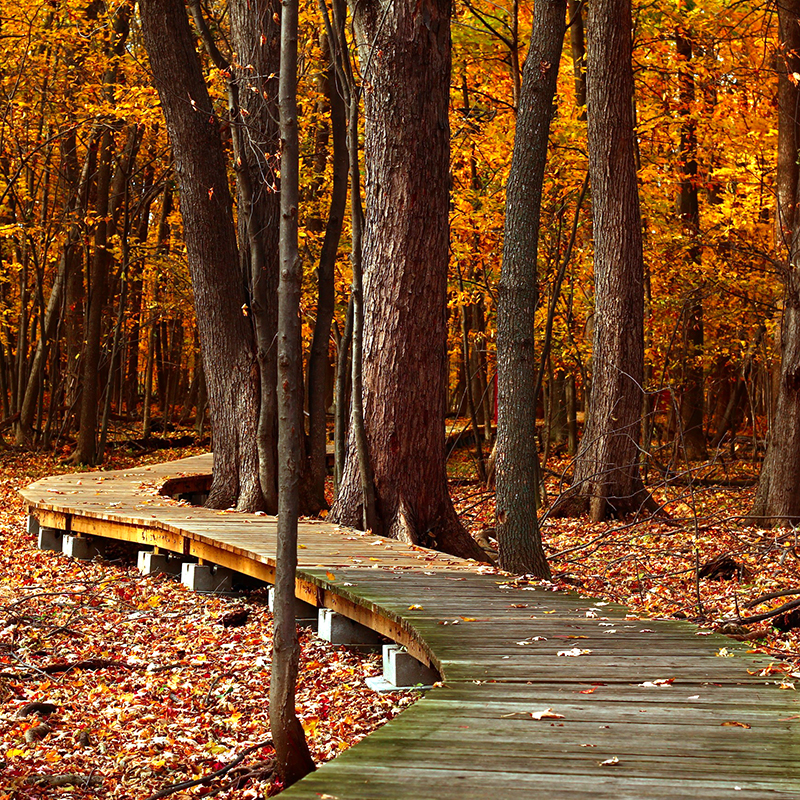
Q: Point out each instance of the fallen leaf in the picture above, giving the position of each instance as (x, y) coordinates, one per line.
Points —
(732, 723)
(548, 713)
(663, 683)
(609, 762)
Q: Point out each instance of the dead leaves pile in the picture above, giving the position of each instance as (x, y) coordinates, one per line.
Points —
(117, 686)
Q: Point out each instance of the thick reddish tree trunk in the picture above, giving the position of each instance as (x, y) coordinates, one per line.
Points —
(407, 146)
(226, 337)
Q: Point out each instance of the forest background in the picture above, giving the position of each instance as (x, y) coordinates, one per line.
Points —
(712, 296)
(98, 332)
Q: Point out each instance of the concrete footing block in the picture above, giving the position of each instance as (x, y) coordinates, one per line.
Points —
(206, 578)
(152, 563)
(80, 548)
(338, 629)
(33, 525)
(50, 539)
(305, 614)
(402, 670)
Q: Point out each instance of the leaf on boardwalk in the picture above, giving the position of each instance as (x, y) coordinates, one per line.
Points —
(732, 723)
(548, 713)
(663, 683)
(609, 762)
(576, 651)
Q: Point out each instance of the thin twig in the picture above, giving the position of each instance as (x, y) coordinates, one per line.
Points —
(177, 787)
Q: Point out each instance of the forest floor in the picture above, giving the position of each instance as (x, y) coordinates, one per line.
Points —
(150, 684)
(151, 687)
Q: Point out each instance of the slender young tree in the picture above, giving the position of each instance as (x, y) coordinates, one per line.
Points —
(293, 759)
(607, 480)
(692, 397)
(517, 460)
(318, 357)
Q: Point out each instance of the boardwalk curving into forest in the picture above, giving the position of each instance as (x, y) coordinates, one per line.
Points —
(542, 691)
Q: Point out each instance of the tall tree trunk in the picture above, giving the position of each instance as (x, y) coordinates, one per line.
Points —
(98, 286)
(578, 46)
(406, 68)
(225, 333)
(517, 460)
(607, 481)
(319, 358)
(86, 449)
(255, 39)
(692, 397)
(778, 495)
(293, 759)
(787, 63)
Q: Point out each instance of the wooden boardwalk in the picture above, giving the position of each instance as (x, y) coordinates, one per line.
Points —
(717, 729)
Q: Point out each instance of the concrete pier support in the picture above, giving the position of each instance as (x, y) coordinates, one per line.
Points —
(338, 629)
(206, 578)
(50, 539)
(33, 525)
(79, 547)
(305, 614)
(152, 563)
(402, 671)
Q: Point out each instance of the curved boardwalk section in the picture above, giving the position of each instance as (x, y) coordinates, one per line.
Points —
(542, 693)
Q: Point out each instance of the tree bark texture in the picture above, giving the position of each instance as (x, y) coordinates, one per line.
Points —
(577, 41)
(225, 334)
(293, 759)
(319, 356)
(255, 38)
(98, 287)
(607, 481)
(405, 55)
(787, 63)
(777, 499)
(517, 458)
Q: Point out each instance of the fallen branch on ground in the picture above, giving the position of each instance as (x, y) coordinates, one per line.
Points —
(177, 787)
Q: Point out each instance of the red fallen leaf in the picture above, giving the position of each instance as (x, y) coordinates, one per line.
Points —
(588, 691)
